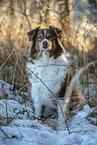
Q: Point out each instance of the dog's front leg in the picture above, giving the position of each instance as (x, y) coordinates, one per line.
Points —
(38, 108)
(61, 119)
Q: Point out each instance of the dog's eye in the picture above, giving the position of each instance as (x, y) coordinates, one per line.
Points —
(39, 37)
(50, 37)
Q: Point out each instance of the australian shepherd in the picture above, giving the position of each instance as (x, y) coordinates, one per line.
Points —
(48, 70)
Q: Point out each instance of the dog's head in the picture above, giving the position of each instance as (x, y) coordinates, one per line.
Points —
(47, 39)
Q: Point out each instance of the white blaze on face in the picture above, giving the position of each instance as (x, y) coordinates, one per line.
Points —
(44, 33)
(44, 40)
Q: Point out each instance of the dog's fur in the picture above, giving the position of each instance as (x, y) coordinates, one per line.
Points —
(48, 70)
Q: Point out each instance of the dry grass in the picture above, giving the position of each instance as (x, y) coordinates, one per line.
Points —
(12, 68)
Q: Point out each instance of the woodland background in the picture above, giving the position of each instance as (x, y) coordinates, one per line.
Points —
(77, 19)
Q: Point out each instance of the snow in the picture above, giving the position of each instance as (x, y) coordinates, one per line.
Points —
(24, 129)
(13, 109)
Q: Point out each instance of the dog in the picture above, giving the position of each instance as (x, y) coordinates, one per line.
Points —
(48, 71)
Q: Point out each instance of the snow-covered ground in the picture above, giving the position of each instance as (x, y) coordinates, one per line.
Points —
(23, 129)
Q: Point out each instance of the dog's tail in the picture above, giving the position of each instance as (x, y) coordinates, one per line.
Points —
(67, 98)
(74, 82)
(63, 111)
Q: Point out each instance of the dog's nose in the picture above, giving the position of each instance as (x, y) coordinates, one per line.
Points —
(45, 44)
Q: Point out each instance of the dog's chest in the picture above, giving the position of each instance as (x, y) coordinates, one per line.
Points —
(47, 73)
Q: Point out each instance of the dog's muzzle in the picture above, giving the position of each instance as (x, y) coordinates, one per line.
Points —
(45, 44)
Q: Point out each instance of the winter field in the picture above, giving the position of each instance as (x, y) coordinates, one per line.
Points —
(18, 126)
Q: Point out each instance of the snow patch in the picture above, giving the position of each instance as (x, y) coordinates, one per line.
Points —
(11, 108)
(24, 130)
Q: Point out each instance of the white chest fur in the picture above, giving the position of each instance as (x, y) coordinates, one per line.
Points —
(49, 71)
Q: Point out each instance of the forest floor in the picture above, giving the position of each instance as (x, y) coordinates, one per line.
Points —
(18, 126)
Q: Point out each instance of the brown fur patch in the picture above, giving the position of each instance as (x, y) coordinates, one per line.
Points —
(64, 85)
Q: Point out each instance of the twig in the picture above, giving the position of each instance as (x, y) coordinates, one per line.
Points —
(7, 59)
(14, 72)
(4, 132)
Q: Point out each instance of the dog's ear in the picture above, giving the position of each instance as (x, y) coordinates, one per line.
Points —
(32, 33)
(57, 30)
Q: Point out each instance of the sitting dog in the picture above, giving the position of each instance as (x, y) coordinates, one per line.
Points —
(48, 70)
